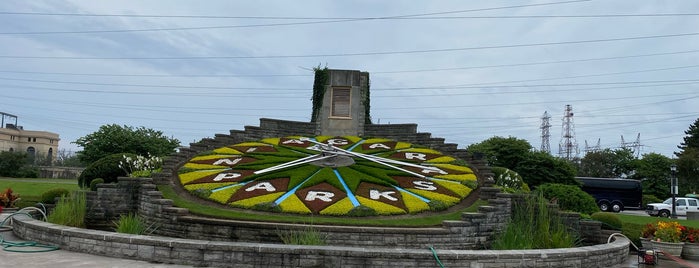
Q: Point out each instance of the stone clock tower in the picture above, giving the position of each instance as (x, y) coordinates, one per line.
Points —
(342, 107)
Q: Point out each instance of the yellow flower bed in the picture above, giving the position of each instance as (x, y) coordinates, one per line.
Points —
(194, 175)
(294, 205)
(227, 150)
(250, 202)
(421, 150)
(379, 207)
(413, 203)
(223, 195)
(274, 141)
(448, 200)
(457, 188)
(203, 166)
(205, 186)
(340, 208)
(454, 167)
(458, 177)
(441, 159)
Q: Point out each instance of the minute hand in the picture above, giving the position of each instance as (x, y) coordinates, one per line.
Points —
(375, 159)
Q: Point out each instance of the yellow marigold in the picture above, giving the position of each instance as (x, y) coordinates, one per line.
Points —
(668, 231)
(225, 194)
(446, 199)
(194, 175)
(227, 150)
(458, 188)
(250, 202)
(340, 208)
(414, 204)
(380, 207)
(294, 205)
(203, 166)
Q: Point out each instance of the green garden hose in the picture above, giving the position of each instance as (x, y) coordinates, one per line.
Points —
(434, 253)
(16, 246)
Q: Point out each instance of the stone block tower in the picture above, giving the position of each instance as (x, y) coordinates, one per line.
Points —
(342, 104)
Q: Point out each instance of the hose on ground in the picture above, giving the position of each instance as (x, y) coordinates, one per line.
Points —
(23, 246)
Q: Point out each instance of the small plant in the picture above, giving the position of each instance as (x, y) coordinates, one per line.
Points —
(307, 236)
(690, 235)
(361, 211)
(141, 166)
(648, 230)
(436, 205)
(8, 198)
(93, 183)
(70, 211)
(49, 197)
(668, 231)
(267, 206)
(609, 220)
(132, 224)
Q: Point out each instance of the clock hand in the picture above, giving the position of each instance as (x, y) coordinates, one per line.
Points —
(375, 159)
(296, 162)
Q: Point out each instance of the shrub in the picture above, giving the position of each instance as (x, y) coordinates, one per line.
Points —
(608, 219)
(132, 224)
(649, 198)
(93, 183)
(70, 211)
(509, 181)
(27, 172)
(569, 197)
(106, 168)
(361, 211)
(49, 197)
(11, 163)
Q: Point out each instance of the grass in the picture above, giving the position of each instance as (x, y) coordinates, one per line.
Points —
(411, 221)
(70, 211)
(30, 190)
(132, 224)
(307, 236)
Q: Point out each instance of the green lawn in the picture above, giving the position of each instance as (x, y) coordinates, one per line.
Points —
(30, 190)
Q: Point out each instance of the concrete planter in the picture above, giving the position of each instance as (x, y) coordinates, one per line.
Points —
(674, 249)
(690, 251)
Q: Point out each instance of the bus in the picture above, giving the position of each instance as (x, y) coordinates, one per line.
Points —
(612, 194)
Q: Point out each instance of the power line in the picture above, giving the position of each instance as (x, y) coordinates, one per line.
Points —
(321, 21)
(359, 53)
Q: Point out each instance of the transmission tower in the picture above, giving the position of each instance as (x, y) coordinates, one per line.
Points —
(545, 135)
(634, 146)
(591, 149)
(568, 147)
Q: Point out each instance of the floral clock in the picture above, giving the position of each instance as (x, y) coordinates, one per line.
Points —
(329, 176)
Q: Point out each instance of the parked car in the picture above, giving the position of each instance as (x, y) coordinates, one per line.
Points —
(682, 206)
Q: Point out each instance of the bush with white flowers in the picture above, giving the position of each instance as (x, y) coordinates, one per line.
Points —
(509, 181)
(141, 166)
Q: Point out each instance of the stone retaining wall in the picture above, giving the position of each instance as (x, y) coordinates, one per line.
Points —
(241, 254)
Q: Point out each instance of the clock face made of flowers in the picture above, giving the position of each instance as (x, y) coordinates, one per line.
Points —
(329, 176)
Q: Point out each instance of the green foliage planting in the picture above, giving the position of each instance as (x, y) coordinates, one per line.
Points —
(93, 183)
(113, 139)
(534, 226)
(307, 236)
(609, 220)
(607, 163)
(106, 168)
(539, 168)
(569, 197)
(320, 81)
(502, 152)
(132, 224)
(49, 197)
(70, 210)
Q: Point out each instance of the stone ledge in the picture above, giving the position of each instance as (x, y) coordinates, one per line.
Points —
(206, 253)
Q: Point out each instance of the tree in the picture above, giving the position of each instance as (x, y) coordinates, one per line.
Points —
(653, 170)
(11, 163)
(691, 140)
(540, 167)
(502, 152)
(112, 139)
(607, 163)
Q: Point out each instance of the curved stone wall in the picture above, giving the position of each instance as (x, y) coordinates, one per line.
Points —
(241, 254)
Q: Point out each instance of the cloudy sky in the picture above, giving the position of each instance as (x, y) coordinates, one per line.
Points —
(461, 70)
